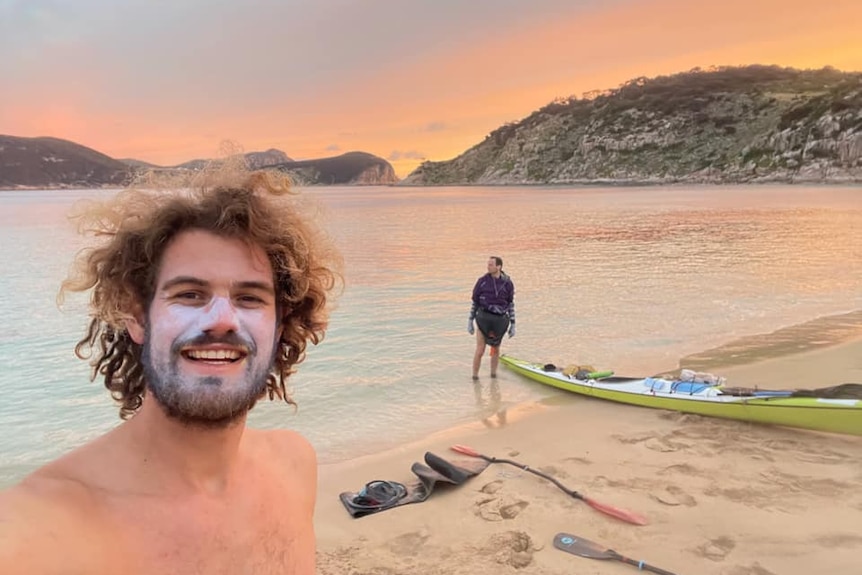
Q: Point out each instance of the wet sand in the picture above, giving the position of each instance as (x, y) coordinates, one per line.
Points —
(722, 497)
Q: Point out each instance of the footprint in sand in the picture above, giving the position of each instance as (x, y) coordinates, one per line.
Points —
(673, 495)
(408, 543)
(604, 481)
(803, 451)
(554, 472)
(492, 487)
(825, 458)
(764, 497)
(665, 445)
(753, 569)
(512, 548)
(716, 549)
(511, 510)
(631, 439)
(654, 441)
(499, 508)
(840, 540)
(682, 469)
(813, 485)
(582, 460)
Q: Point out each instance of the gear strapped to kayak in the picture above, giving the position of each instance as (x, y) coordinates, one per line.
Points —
(380, 495)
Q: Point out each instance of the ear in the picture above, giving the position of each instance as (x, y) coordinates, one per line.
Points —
(135, 329)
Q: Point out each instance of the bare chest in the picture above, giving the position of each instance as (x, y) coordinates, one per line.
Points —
(241, 536)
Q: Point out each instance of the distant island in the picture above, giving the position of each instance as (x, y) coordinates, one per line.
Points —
(721, 125)
(39, 163)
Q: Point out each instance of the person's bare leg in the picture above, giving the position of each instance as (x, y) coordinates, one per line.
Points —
(495, 360)
(480, 351)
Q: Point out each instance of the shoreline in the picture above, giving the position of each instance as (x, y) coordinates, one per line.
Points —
(675, 183)
(724, 360)
(819, 333)
(722, 497)
(595, 183)
(58, 188)
(831, 360)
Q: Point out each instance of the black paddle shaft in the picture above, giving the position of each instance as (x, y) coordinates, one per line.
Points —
(529, 469)
(639, 564)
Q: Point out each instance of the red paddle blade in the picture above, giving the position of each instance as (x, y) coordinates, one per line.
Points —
(622, 514)
(465, 450)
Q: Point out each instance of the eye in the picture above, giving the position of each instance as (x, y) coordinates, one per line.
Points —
(190, 296)
(250, 300)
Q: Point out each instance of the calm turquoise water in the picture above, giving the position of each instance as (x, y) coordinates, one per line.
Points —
(629, 279)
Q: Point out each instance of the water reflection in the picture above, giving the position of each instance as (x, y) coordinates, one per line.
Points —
(490, 407)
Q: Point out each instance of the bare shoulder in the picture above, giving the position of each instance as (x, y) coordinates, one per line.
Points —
(291, 457)
(288, 448)
(45, 512)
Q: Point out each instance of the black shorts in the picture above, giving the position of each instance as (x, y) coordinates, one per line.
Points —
(492, 326)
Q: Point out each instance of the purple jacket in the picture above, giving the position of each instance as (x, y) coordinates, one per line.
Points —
(494, 295)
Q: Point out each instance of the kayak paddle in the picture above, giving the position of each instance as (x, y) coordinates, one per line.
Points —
(579, 546)
(627, 516)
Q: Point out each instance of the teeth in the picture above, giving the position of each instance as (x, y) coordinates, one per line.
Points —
(214, 354)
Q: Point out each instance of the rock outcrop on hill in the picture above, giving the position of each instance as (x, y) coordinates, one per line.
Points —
(254, 160)
(52, 162)
(723, 125)
(352, 168)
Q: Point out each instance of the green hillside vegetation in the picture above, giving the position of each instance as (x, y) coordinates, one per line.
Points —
(732, 124)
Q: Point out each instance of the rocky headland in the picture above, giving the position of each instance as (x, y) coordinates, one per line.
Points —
(56, 163)
(40, 163)
(722, 125)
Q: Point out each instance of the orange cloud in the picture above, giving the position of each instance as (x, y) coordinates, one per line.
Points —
(474, 90)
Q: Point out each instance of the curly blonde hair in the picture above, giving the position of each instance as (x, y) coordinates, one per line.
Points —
(139, 223)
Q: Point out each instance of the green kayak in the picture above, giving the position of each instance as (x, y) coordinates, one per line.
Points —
(835, 409)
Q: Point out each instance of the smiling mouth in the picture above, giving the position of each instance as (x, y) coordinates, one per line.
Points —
(214, 355)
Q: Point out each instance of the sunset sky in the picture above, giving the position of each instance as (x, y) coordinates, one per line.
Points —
(167, 81)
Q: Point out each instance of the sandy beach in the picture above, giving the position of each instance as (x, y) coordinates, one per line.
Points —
(721, 497)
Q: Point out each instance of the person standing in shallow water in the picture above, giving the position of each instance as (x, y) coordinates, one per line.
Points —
(493, 311)
(204, 297)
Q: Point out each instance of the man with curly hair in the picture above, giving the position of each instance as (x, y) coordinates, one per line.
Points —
(203, 298)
